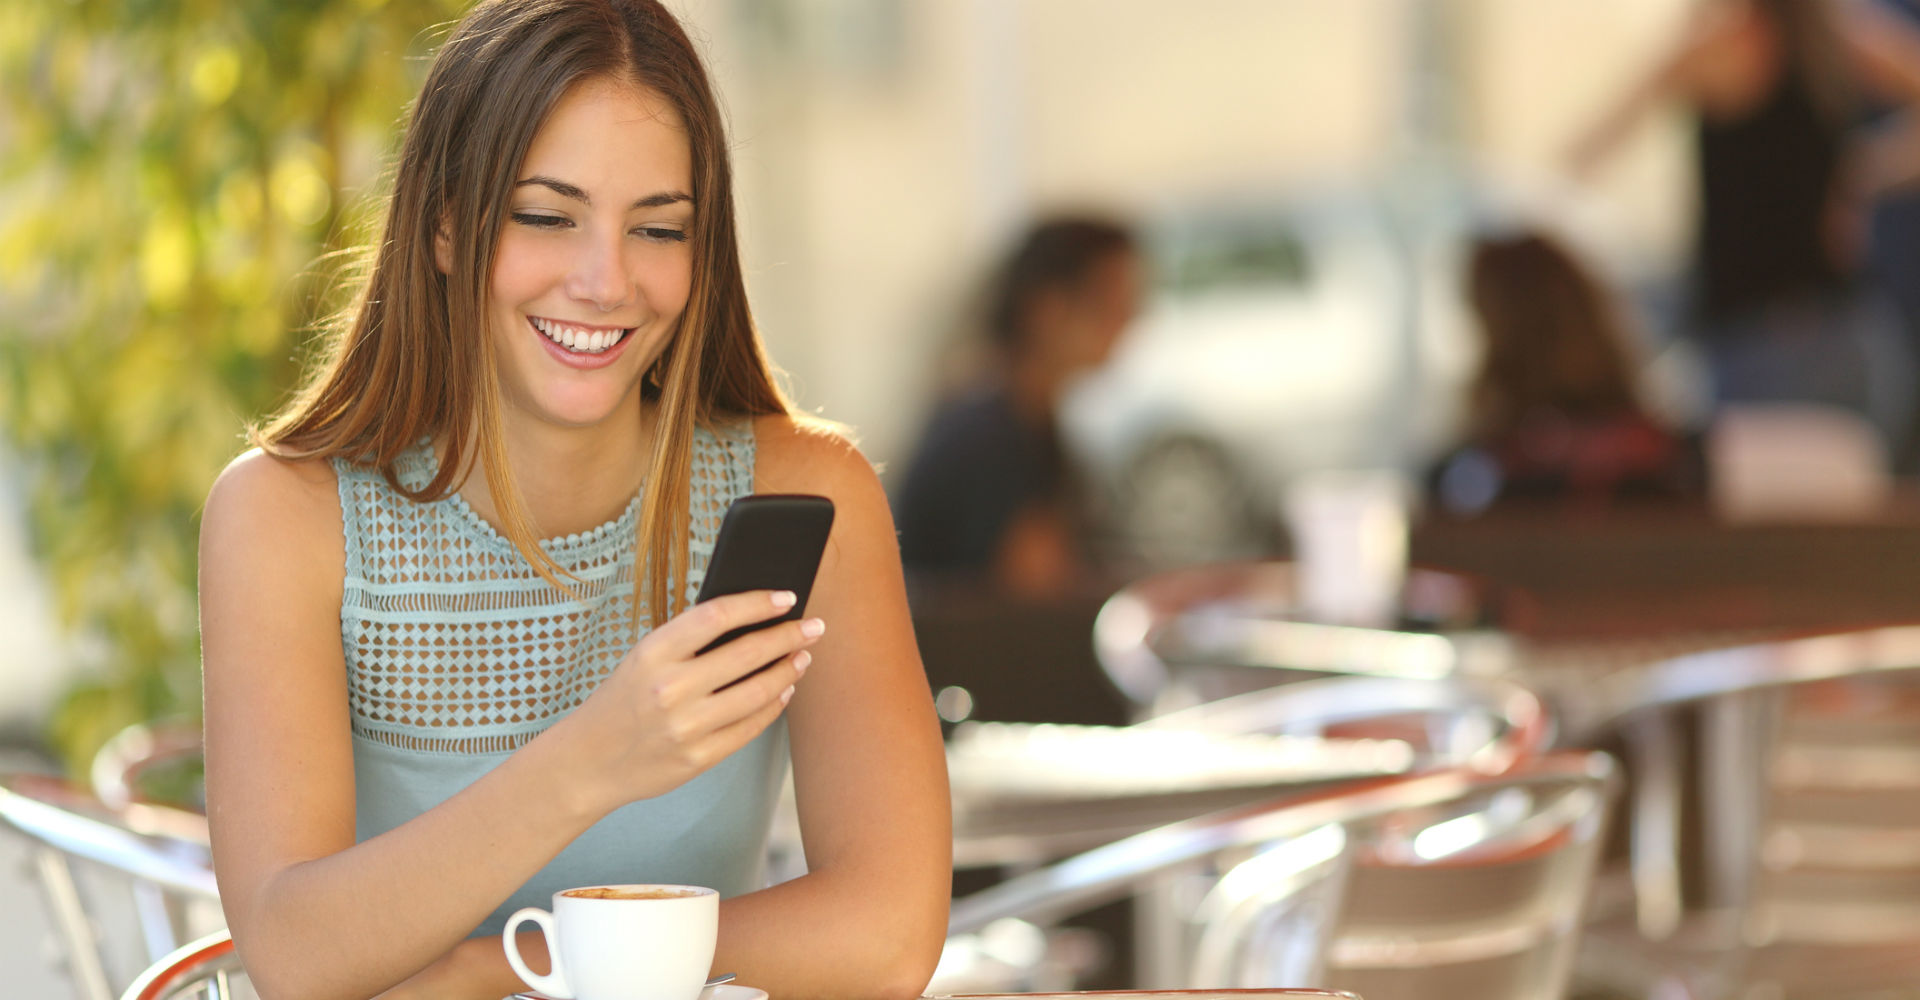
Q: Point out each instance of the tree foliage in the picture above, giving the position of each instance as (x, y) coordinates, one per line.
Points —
(172, 174)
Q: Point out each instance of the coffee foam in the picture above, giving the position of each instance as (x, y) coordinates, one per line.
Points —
(616, 892)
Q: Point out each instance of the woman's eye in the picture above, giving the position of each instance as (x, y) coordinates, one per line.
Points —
(659, 235)
(540, 221)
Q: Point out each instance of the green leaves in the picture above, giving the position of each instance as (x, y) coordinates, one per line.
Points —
(170, 175)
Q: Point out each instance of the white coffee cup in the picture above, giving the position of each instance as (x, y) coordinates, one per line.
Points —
(1349, 531)
(623, 942)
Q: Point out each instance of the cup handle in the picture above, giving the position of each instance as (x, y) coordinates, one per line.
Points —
(553, 984)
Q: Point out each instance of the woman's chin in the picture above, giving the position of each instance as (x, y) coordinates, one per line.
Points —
(585, 412)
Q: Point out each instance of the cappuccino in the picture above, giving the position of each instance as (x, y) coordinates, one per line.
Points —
(617, 892)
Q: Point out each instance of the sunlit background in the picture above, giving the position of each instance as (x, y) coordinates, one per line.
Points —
(172, 176)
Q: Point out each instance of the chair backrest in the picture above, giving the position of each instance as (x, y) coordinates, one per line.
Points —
(1034, 793)
(1809, 750)
(1481, 897)
(158, 856)
(1192, 635)
(1483, 722)
(120, 766)
(208, 967)
(1480, 878)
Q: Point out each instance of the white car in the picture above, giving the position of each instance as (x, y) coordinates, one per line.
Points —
(1280, 340)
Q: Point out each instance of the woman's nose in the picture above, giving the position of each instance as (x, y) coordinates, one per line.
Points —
(600, 278)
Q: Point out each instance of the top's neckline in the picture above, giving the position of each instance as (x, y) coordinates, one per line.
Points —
(621, 525)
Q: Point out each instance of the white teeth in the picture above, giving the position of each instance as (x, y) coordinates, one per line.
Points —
(577, 339)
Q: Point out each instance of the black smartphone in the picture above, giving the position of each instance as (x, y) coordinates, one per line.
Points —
(768, 541)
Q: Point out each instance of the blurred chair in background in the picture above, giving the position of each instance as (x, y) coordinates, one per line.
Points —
(161, 762)
(988, 495)
(1030, 794)
(144, 874)
(1555, 416)
(1443, 884)
(1186, 636)
(207, 968)
(1026, 794)
(1804, 796)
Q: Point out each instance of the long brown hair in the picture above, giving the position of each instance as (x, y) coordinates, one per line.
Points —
(1553, 335)
(410, 359)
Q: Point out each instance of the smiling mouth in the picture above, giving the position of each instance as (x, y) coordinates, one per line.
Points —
(580, 339)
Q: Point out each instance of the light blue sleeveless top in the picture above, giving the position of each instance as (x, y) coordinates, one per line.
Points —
(458, 653)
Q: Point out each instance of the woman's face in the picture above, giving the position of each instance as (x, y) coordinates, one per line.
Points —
(594, 263)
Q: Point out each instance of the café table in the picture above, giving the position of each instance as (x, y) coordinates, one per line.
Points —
(210, 967)
(1644, 573)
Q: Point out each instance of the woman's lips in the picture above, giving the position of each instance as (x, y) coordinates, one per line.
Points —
(578, 359)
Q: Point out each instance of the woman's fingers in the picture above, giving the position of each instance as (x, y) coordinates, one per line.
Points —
(742, 656)
(766, 690)
(691, 630)
(731, 736)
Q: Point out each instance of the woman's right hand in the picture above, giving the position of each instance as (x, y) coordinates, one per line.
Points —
(661, 718)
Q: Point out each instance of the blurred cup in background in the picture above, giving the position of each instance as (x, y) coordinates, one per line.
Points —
(1349, 530)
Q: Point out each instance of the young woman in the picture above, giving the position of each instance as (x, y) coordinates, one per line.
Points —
(450, 657)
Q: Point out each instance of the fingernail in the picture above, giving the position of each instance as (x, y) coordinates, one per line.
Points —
(812, 628)
(787, 695)
(801, 661)
(784, 598)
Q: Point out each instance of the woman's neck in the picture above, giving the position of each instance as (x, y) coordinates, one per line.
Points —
(570, 479)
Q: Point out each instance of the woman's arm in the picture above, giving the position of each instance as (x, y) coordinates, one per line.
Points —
(1676, 76)
(314, 914)
(1886, 49)
(869, 770)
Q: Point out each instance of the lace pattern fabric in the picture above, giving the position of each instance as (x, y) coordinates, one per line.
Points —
(455, 645)
(458, 653)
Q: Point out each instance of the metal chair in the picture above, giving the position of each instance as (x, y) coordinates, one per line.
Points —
(120, 766)
(160, 856)
(1407, 886)
(1488, 723)
(1809, 768)
(208, 967)
(1188, 636)
(1027, 794)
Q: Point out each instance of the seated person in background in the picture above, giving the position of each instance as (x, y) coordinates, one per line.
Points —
(1554, 412)
(988, 494)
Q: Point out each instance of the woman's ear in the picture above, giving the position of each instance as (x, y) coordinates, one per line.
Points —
(443, 248)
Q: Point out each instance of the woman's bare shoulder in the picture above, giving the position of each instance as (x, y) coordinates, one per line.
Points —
(268, 503)
(797, 453)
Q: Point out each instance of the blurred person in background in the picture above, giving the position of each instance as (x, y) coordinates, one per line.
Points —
(1894, 228)
(1778, 299)
(993, 524)
(450, 662)
(1556, 416)
(989, 496)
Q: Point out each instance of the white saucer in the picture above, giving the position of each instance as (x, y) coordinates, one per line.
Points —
(724, 991)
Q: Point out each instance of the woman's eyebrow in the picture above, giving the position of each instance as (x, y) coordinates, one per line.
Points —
(565, 190)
